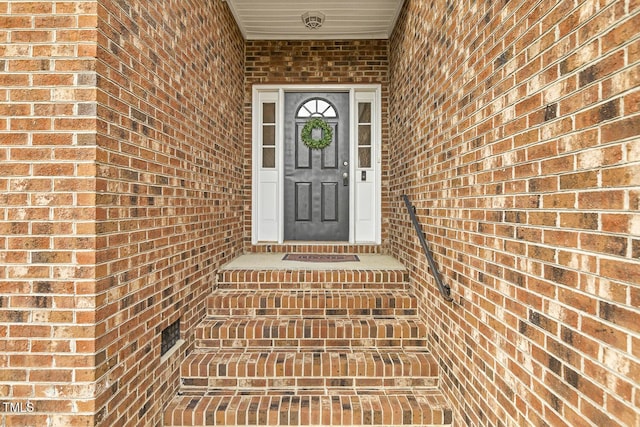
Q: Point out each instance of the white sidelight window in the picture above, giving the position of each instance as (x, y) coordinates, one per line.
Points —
(266, 167)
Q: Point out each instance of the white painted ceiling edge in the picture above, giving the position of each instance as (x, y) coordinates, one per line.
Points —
(344, 19)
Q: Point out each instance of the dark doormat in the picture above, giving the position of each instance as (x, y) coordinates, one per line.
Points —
(320, 257)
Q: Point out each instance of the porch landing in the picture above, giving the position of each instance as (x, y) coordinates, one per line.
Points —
(274, 261)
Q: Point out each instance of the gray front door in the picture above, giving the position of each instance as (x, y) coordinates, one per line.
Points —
(316, 192)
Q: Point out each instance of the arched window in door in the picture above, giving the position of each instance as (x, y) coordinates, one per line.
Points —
(316, 107)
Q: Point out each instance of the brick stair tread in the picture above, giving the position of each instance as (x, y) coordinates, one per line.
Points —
(282, 408)
(300, 332)
(271, 369)
(312, 303)
(312, 279)
(310, 247)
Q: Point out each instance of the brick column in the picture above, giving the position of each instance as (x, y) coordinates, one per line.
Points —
(47, 212)
(121, 192)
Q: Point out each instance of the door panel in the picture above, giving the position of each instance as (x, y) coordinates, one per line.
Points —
(330, 154)
(329, 201)
(304, 201)
(316, 195)
(303, 153)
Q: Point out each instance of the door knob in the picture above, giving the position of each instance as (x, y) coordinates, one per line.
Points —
(345, 179)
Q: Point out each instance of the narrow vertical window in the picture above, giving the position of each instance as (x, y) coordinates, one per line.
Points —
(364, 135)
(170, 336)
(269, 135)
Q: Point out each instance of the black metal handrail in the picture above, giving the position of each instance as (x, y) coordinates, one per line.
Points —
(444, 289)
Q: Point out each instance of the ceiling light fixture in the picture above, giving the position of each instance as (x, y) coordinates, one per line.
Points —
(313, 20)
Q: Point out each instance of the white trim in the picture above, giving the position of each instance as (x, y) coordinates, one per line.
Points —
(352, 162)
(254, 166)
(261, 93)
(307, 35)
(280, 126)
(378, 160)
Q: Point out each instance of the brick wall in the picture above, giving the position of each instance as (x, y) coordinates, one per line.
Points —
(47, 212)
(124, 180)
(523, 122)
(170, 99)
(121, 140)
(321, 62)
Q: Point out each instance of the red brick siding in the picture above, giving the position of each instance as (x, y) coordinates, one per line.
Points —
(169, 200)
(514, 129)
(513, 126)
(47, 212)
(316, 62)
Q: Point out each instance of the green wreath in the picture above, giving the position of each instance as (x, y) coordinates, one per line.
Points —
(317, 144)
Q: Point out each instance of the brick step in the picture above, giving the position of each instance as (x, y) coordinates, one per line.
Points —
(317, 248)
(312, 303)
(309, 333)
(426, 408)
(311, 279)
(272, 369)
(316, 346)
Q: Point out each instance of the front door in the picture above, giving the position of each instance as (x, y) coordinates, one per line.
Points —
(316, 185)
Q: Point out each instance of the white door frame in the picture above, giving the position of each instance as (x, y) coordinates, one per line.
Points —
(267, 184)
